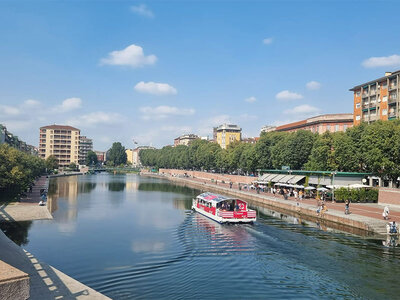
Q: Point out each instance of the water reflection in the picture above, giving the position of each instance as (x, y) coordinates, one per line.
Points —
(116, 186)
(17, 231)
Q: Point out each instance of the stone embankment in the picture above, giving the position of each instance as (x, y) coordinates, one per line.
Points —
(22, 276)
(365, 219)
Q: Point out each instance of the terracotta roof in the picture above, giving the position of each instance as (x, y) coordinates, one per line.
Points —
(65, 127)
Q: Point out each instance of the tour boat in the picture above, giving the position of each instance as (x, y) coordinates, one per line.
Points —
(223, 209)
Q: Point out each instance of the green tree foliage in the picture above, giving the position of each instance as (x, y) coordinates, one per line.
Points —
(116, 155)
(51, 163)
(17, 169)
(91, 158)
(373, 148)
(73, 166)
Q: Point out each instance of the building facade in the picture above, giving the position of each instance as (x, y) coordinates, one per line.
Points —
(268, 128)
(136, 155)
(61, 141)
(228, 134)
(185, 139)
(85, 145)
(12, 140)
(101, 156)
(321, 124)
(129, 156)
(377, 99)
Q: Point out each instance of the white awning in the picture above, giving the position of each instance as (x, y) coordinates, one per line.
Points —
(295, 179)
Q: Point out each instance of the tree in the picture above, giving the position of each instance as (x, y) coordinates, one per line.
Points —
(91, 158)
(51, 163)
(322, 154)
(73, 166)
(116, 155)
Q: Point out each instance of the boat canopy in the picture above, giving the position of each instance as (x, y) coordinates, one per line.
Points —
(214, 197)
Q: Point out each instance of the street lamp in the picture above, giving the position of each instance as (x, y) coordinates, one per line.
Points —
(333, 185)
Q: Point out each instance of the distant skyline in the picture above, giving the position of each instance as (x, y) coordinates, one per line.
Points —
(150, 71)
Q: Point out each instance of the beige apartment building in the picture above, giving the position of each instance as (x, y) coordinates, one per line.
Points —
(185, 139)
(61, 141)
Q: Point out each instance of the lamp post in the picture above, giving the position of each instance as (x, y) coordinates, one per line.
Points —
(333, 186)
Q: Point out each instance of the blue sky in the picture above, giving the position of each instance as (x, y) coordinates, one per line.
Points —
(152, 70)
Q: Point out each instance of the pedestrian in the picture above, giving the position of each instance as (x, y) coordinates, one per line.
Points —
(230, 185)
(347, 207)
(385, 213)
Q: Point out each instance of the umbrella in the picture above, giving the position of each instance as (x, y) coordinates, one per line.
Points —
(299, 186)
(322, 189)
(309, 188)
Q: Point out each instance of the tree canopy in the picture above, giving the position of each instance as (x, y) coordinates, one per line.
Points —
(373, 148)
(116, 155)
(17, 169)
(91, 158)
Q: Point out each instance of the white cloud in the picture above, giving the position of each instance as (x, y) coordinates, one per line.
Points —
(268, 41)
(32, 103)
(303, 109)
(142, 10)
(155, 88)
(313, 85)
(132, 56)
(6, 110)
(250, 99)
(382, 61)
(97, 118)
(68, 105)
(163, 111)
(287, 95)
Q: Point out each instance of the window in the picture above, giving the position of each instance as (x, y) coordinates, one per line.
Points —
(358, 93)
(384, 99)
(328, 127)
(358, 118)
(344, 127)
(358, 105)
(337, 127)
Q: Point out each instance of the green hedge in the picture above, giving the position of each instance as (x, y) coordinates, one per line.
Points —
(356, 195)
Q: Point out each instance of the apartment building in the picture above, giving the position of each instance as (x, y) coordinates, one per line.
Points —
(377, 99)
(136, 155)
(227, 134)
(85, 145)
(61, 141)
(129, 156)
(7, 137)
(320, 124)
(268, 128)
(185, 139)
(101, 156)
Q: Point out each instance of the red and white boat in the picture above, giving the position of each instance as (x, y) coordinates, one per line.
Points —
(223, 209)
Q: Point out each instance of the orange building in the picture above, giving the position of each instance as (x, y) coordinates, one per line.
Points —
(377, 99)
(321, 124)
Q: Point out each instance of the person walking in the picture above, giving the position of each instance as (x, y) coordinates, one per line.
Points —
(347, 207)
(385, 213)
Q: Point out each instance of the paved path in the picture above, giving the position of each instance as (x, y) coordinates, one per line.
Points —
(372, 210)
(28, 208)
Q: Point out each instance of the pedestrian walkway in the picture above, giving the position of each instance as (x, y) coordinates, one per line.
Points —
(366, 213)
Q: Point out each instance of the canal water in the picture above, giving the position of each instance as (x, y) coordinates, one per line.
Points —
(133, 237)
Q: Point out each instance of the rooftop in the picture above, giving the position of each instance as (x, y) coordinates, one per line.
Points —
(387, 75)
(345, 117)
(65, 127)
(229, 127)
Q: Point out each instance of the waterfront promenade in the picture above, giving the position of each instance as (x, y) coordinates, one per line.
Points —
(364, 216)
(45, 282)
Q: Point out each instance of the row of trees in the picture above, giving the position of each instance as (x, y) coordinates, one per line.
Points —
(373, 148)
(17, 170)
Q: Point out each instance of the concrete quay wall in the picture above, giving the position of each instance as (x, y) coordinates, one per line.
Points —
(357, 224)
(209, 176)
